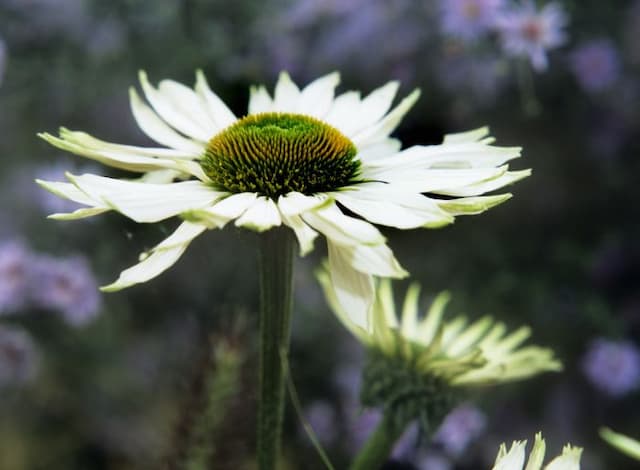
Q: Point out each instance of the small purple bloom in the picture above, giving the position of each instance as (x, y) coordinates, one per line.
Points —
(460, 427)
(469, 19)
(527, 32)
(596, 65)
(361, 423)
(18, 357)
(68, 286)
(323, 420)
(434, 461)
(613, 366)
(15, 262)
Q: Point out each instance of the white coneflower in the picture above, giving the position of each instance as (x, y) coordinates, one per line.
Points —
(297, 159)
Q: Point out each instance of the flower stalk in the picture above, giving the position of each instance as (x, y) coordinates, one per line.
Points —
(379, 445)
(276, 301)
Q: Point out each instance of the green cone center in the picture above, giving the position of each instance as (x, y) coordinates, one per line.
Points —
(277, 153)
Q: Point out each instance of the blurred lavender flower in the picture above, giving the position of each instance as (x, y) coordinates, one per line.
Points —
(433, 461)
(15, 262)
(613, 366)
(469, 19)
(527, 32)
(348, 379)
(18, 357)
(107, 38)
(460, 427)
(596, 65)
(323, 420)
(360, 424)
(68, 286)
(3, 59)
(305, 12)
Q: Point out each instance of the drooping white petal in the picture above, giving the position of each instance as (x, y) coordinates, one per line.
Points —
(409, 323)
(316, 98)
(342, 229)
(569, 460)
(393, 214)
(161, 258)
(287, 95)
(536, 456)
(387, 125)
(171, 113)
(305, 234)
(260, 216)
(82, 213)
(71, 192)
(259, 100)
(476, 135)
(219, 112)
(126, 159)
(450, 156)
(146, 202)
(375, 259)
(354, 290)
(295, 203)
(472, 205)
(233, 206)
(481, 187)
(156, 128)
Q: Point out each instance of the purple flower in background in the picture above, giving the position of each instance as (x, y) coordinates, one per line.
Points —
(361, 423)
(68, 286)
(612, 366)
(480, 76)
(459, 428)
(527, 32)
(323, 420)
(596, 65)
(15, 262)
(433, 461)
(18, 357)
(469, 19)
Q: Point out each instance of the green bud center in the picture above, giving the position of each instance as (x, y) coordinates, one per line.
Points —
(276, 153)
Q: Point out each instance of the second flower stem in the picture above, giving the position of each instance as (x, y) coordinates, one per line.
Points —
(276, 300)
(379, 445)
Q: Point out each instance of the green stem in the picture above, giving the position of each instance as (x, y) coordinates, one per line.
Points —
(276, 299)
(379, 445)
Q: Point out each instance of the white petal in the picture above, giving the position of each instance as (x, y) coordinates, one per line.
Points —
(286, 96)
(514, 459)
(220, 113)
(233, 206)
(295, 203)
(160, 259)
(71, 192)
(156, 128)
(379, 150)
(79, 213)
(482, 187)
(260, 216)
(354, 290)
(388, 124)
(569, 460)
(536, 456)
(190, 104)
(146, 202)
(474, 135)
(375, 105)
(317, 97)
(305, 234)
(126, 159)
(170, 111)
(259, 100)
(343, 114)
(377, 260)
(472, 205)
(342, 229)
(392, 214)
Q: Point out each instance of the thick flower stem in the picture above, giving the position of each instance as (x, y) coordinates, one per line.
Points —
(276, 299)
(379, 445)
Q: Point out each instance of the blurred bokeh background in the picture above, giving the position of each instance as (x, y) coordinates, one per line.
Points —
(94, 381)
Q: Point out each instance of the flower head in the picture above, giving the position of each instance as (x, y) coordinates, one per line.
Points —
(513, 459)
(415, 364)
(298, 159)
(469, 19)
(596, 65)
(613, 367)
(527, 32)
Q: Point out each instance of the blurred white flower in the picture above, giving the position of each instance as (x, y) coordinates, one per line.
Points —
(514, 458)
